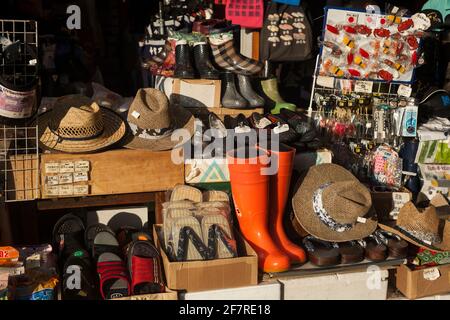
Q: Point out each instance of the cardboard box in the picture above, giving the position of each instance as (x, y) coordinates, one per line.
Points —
(202, 92)
(363, 285)
(422, 283)
(194, 276)
(168, 295)
(264, 291)
(206, 171)
(117, 172)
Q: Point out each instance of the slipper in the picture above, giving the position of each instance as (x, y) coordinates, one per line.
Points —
(216, 229)
(398, 248)
(87, 289)
(169, 216)
(182, 204)
(104, 242)
(113, 275)
(351, 252)
(188, 242)
(284, 131)
(321, 253)
(215, 196)
(144, 264)
(375, 250)
(92, 231)
(68, 230)
(183, 192)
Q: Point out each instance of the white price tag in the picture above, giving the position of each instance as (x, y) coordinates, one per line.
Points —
(52, 191)
(327, 82)
(52, 180)
(364, 86)
(80, 177)
(431, 274)
(135, 114)
(81, 190)
(281, 129)
(65, 178)
(82, 166)
(263, 123)
(67, 167)
(404, 91)
(52, 167)
(243, 129)
(66, 190)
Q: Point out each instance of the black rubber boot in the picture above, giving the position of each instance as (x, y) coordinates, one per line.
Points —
(202, 59)
(246, 90)
(231, 97)
(183, 66)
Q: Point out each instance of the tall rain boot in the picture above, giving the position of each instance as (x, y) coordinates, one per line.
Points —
(203, 61)
(270, 88)
(279, 192)
(183, 58)
(250, 194)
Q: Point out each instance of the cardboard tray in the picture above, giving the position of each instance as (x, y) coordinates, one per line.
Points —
(194, 276)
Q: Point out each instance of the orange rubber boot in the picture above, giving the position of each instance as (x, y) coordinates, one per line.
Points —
(279, 191)
(250, 194)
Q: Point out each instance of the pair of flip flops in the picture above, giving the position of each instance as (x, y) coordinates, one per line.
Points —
(322, 253)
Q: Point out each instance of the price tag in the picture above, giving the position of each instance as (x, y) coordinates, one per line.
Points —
(263, 123)
(52, 191)
(364, 86)
(431, 274)
(399, 199)
(82, 166)
(281, 129)
(327, 82)
(242, 129)
(80, 177)
(65, 178)
(67, 167)
(81, 190)
(52, 167)
(404, 91)
(66, 190)
(52, 180)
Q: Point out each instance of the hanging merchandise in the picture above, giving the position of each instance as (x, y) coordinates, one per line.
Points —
(387, 167)
(363, 45)
(286, 34)
(246, 13)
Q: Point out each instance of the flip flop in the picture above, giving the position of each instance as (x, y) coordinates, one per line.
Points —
(216, 229)
(351, 252)
(169, 216)
(215, 196)
(188, 242)
(68, 227)
(144, 264)
(92, 231)
(104, 242)
(113, 275)
(398, 248)
(321, 253)
(375, 250)
(88, 285)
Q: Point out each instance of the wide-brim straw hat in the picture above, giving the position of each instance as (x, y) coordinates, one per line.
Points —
(423, 228)
(332, 205)
(153, 119)
(77, 125)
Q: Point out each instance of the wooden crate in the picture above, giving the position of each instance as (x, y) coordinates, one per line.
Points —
(123, 171)
(22, 178)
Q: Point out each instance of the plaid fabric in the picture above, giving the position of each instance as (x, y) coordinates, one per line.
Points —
(246, 13)
(227, 58)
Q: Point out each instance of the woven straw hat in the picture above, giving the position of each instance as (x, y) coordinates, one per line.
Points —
(77, 125)
(423, 228)
(332, 205)
(152, 119)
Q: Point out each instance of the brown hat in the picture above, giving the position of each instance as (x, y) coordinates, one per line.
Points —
(424, 228)
(332, 205)
(77, 125)
(152, 121)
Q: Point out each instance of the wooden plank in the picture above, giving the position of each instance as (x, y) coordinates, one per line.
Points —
(159, 200)
(255, 45)
(124, 171)
(95, 201)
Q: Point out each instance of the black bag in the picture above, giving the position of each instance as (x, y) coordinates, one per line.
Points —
(286, 34)
(436, 103)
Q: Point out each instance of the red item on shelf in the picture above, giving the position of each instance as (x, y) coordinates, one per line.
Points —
(246, 13)
(332, 29)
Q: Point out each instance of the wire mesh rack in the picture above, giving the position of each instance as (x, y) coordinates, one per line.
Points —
(19, 152)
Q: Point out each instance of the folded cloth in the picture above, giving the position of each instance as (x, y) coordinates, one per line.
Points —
(434, 129)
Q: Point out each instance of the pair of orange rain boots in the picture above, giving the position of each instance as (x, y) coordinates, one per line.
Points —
(260, 201)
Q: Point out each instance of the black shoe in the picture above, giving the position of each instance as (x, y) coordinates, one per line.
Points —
(203, 62)
(231, 97)
(183, 58)
(300, 123)
(260, 122)
(285, 132)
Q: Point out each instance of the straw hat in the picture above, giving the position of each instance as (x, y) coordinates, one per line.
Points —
(423, 228)
(153, 119)
(332, 205)
(77, 125)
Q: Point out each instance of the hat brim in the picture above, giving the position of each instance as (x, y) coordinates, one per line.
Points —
(410, 238)
(114, 130)
(302, 203)
(182, 119)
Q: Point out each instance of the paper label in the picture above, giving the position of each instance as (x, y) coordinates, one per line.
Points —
(82, 166)
(431, 274)
(243, 129)
(52, 191)
(135, 114)
(263, 123)
(52, 180)
(67, 167)
(81, 190)
(65, 178)
(399, 199)
(52, 167)
(404, 91)
(363, 86)
(327, 82)
(66, 190)
(281, 129)
(80, 177)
